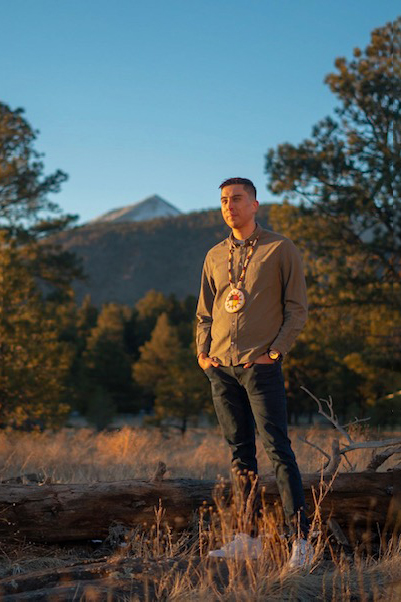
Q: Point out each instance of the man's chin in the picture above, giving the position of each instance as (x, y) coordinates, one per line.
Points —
(230, 221)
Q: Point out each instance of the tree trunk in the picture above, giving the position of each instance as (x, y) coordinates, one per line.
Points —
(55, 513)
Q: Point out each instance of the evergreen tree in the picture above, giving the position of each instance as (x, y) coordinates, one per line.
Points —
(148, 309)
(156, 355)
(34, 362)
(108, 365)
(170, 376)
(26, 212)
(183, 393)
(346, 179)
(76, 324)
(35, 277)
(347, 175)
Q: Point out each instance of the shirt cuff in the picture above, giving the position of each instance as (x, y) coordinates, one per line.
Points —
(279, 347)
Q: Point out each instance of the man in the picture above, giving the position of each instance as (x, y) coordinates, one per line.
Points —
(252, 305)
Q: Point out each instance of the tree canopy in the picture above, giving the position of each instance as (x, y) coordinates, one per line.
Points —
(35, 276)
(24, 189)
(347, 175)
(346, 180)
(34, 362)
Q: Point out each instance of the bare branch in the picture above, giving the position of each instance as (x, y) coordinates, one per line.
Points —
(379, 459)
(331, 417)
(352, 466)
(370, 445)
(356, 421)
(304, 440)
(335, 460)
(337, 452)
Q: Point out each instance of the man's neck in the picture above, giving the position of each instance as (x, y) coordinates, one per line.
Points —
(245, 232)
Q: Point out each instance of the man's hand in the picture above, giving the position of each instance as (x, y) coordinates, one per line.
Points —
(262, 359)
(205, 361)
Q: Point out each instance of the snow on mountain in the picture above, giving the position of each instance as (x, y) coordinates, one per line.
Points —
(149, 208)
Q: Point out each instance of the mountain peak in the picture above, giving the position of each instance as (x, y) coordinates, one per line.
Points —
(150, 208)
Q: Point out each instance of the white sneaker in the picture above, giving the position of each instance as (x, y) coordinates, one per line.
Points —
(242, 546)
(301, 555)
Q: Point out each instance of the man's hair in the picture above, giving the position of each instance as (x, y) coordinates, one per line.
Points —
(247, 184)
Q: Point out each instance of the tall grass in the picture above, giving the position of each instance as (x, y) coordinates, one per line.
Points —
(186, 572)
(83, 456)
(335, 575)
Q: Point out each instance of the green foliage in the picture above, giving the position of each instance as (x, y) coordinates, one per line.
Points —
(169, 373)
(183, 393)
(148, 310)
(26, 212)
(180, 314)
(35, 277)
(156, 354)
(101, 409)
(24, 205)
(34, 362)
(107, 363)
(347, 176)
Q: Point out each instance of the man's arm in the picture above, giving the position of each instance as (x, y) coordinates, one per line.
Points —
(294, 298)
(204, 317)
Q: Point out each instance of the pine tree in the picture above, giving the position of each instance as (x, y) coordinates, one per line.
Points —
(35, 278)
(156, 355)
(347, 223)
(346, 176)
(108, 365)
(169, 373)
(34, 362)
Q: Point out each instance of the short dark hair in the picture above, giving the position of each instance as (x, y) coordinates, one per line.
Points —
(247, 184)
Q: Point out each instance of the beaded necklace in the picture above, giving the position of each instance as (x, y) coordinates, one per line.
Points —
(236, 299)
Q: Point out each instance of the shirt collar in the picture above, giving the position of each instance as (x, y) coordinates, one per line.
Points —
(249, 240)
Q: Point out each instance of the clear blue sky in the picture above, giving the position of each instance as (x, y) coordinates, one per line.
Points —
(170, 97)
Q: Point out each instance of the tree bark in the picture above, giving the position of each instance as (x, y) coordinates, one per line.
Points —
(57, 513)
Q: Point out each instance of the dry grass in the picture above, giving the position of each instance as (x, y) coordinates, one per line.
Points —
(177, 567)
(190, 574)
(82, 456)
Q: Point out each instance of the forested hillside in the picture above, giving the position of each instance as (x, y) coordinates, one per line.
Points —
(125, 260)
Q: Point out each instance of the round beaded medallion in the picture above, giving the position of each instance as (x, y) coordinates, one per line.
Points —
(235, 301)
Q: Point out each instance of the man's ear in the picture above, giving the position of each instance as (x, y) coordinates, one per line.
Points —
(256, 205)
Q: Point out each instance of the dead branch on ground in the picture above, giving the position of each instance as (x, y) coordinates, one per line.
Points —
(337, 452)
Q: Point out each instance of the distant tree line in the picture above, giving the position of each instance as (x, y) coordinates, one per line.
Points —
(131, 359)
(56, 355)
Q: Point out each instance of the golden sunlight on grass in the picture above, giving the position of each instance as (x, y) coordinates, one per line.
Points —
(153, 562)
(189, 573)
(84, 456)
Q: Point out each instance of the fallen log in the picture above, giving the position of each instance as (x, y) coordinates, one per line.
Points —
(107, 579)
(59, 513)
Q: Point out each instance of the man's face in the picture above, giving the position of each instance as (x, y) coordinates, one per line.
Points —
(237, 206)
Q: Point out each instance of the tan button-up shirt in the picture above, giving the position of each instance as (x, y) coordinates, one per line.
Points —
(275, 309)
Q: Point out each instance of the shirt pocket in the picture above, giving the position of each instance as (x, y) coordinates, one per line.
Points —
(262, 275)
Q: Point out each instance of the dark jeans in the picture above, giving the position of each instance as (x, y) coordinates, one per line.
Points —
(243, 397)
